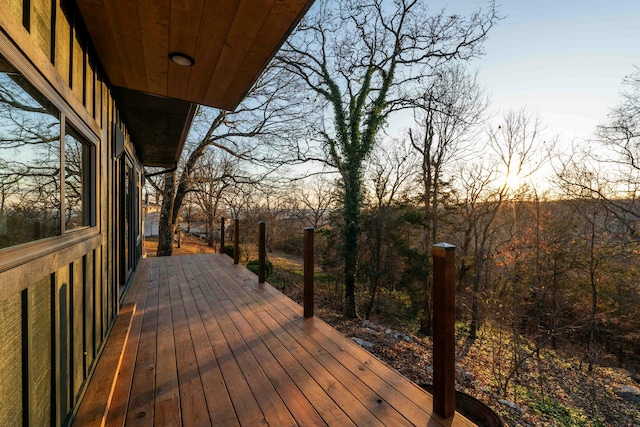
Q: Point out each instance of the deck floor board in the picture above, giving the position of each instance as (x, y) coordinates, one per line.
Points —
(193, 403)
(142, 389)
(213, 347)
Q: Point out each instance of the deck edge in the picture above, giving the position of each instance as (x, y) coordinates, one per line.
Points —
(97, 398)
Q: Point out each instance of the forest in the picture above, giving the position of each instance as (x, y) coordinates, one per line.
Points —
(370, 125)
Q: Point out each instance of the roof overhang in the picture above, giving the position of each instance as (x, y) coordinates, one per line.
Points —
(158, 126)
(231, 41)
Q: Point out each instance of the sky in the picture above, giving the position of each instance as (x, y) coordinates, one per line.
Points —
(562, 59)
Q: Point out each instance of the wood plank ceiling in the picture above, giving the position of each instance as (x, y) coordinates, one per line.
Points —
(231, 41)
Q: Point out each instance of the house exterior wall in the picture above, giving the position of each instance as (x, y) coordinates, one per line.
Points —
(59, 295)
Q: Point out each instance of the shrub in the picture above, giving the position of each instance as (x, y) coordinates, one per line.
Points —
(253, 266)
(229, 250)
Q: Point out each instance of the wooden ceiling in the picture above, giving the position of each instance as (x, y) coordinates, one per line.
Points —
(158, 126)
(231, 42)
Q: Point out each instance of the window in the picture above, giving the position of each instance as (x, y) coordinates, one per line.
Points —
(77, 181)
(33, 164)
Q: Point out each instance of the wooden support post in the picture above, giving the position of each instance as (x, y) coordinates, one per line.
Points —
(262, 251)
(444, 304)
(236, 241)
(221, 235)
(308, 272)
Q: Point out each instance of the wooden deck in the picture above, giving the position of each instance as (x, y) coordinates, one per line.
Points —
(209, 346)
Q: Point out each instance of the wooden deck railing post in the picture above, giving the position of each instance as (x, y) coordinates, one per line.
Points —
(221, 235)
(262, 251)
(236, 241)
(444, 288)
(308, 272)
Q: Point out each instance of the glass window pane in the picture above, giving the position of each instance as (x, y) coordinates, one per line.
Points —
(77, 181)
(29, 162)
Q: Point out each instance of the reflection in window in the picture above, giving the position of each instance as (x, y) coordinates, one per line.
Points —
(127, 201)
(77, 181)
(29, 162)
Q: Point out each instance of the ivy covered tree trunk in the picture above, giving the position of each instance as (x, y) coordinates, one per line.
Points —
(351, 216)
(362, 60)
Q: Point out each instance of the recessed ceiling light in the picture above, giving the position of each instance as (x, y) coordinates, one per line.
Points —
(181, 59)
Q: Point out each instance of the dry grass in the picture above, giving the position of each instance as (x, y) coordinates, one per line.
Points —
(189, 245)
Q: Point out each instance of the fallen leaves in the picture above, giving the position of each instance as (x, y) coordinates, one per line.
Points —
(549, 391)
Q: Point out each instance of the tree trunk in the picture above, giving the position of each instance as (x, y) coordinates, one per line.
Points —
(166, 225)
(426, 324)
(351, 215)
(475, 304)
(374, 285)
(594, 295)
(475, 318)
(429, 182)
(210, 227)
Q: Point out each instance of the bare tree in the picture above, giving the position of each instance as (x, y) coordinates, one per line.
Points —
(451, 109)
(622, 131)
(361, 60)
(603, 180)
(213, 175)
(609, 169)
(252, 133)
(609, 217)
(312, 200)
(483, 193)
(390, 172)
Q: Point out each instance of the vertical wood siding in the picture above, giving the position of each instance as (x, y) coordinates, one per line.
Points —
(89, 308)
(62, 338)
(39, 358)
(97, 303)
(11, 361)
(89, 92)
(40, 28)
(16, 7)
(77, 67)
(51, 333)
(62, 59)
(77, 335)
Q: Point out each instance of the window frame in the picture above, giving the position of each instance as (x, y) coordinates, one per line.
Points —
(89, 190)
(14, 255)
